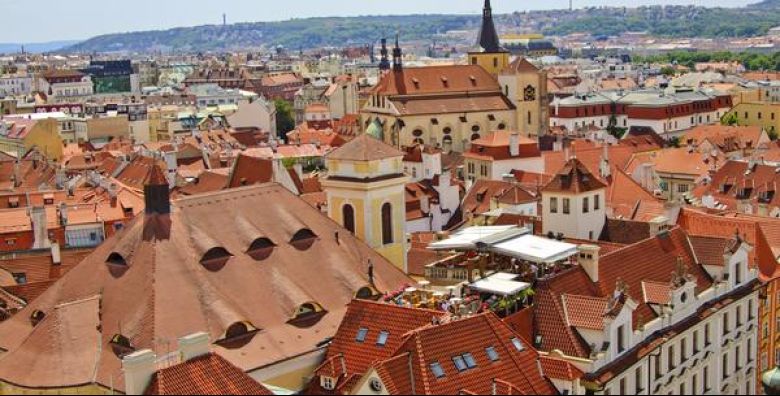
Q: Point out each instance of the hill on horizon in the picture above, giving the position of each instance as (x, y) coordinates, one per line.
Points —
(667, 21)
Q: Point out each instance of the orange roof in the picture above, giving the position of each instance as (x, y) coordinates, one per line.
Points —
(437, 79)
(574, 177)
(209, 374)
(162, 291)
(364, 148)
(515, 371)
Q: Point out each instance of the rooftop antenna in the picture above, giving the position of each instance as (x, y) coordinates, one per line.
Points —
(571, 5)
(224, 19)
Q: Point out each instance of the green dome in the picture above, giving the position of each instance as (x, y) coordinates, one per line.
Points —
(375, 130)
(771, 381)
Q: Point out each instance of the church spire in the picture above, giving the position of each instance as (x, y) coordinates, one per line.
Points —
(384, 63)
(397, 56)
(488, 37)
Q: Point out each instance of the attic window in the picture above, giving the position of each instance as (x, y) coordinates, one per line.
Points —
(473, 80)
(416, 83)
(307, 314)
(445, 82)
(116, 259)
(518, 344)
(436, 369)
(365, 293)
(382, 339)
(361, 336)
(261, 248)
(121, 345)
(237, 335)
(215, 259)
(36, 317)
(491, 353)
(303, 239)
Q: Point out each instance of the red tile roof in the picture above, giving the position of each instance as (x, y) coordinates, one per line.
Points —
(515, 371)
(652, 260)
(574, 178)
(560, 369)
(357, 357)
(208, 374)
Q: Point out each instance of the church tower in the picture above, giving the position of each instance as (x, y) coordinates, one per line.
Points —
(365, 191)
(384, 63)
(492, 58)
(526, 87)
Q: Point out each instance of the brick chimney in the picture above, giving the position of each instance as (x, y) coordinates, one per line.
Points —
(588, 259)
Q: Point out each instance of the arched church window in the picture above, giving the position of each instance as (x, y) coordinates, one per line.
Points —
(348, 212)
(387, 224)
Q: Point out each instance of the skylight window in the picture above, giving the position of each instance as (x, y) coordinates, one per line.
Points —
(469, 359)
(460, 364)
(518, 344)
(436, 369)
(382, 340)
(491, 353)
(361, 336)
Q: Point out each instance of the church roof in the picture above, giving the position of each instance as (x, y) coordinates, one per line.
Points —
(364, 148)
(214, 263)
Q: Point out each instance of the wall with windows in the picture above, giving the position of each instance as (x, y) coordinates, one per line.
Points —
(579, 216)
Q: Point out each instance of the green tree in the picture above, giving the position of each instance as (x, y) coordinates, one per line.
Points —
(285, 121)
(668, 71)
(730, 119)
(773, 134)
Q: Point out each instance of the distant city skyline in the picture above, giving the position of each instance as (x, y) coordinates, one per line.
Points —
(55, 20)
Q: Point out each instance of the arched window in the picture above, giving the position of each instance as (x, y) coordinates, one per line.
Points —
(474, 137)
(236, 330)
(501, 126)
(387, 224)
(447, 130)
(348, 212)
(365, 293)
(215, 259)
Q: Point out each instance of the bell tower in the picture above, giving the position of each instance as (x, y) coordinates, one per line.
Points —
(492, 57)
(365, 191)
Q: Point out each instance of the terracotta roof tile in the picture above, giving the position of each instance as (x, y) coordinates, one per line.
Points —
(364, 148)
(209, 374)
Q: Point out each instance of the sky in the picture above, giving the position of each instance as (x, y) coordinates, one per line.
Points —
(26, 21)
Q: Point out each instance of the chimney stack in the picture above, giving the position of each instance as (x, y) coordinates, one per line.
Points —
(139, 367)
(588, 259)
(157, 194)
(514, 144)
(56, 257)
(194, 345)
(40, 228)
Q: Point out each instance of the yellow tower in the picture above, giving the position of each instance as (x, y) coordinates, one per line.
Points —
(365, 190)
(526, 87)
(492, 57)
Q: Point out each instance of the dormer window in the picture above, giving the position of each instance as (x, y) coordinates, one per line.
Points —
(116, 259)
(121, 345)
(237, 335)
(303, 239)
(260, 249)
(215, 259)
(36, 317)
(307, 312)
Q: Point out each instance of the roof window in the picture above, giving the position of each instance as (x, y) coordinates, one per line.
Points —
(215, 259)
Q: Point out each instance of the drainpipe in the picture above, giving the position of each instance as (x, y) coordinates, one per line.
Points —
(411, 374)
